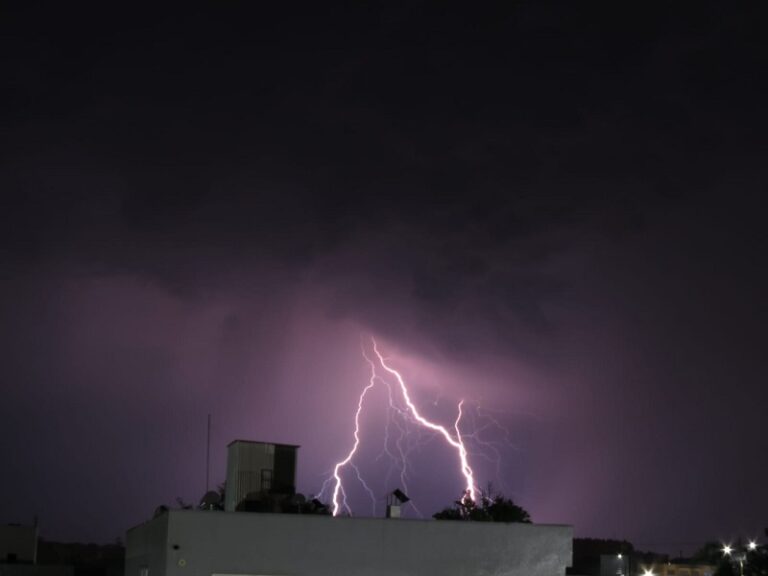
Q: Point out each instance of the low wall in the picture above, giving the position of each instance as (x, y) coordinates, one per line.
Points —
(203, 543)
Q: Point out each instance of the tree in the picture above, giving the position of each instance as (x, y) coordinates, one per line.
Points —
(490, 508)
(710, 553)
(503, 509)
(755, 562)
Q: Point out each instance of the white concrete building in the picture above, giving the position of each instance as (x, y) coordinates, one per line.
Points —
(217, 543)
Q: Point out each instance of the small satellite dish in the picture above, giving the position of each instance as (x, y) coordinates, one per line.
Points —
(317, 504)
(400, 496)
(211, 500)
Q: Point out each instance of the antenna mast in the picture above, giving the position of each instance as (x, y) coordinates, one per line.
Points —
(208, 456)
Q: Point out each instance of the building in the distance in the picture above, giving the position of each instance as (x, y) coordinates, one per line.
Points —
(18, 544)
(260, 476)
(23, 553)
(678, 569)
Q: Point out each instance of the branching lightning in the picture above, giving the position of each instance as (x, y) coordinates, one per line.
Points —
(338, 489)
(457, 443)
(403, 430)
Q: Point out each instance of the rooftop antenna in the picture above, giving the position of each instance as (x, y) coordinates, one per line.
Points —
(208, 456)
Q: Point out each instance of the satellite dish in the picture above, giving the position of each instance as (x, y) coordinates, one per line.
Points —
(211, 500)
(315, 506)
(400, 496)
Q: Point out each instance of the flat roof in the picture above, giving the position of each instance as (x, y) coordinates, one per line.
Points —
(263, 442)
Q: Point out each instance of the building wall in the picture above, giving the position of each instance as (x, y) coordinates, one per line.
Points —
(684, 570)
(258, 467)
(18, 543)
(146, 548)
(285, 470)
(204, 543)
(245, 461)
(614, 565)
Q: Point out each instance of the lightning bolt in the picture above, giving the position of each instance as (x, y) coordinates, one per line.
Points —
(494, 447)
(457, 443)
(339, 497)
(404, 416)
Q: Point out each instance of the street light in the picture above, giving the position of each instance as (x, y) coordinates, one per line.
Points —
(622, 565)
(742, 551)
(648, 572)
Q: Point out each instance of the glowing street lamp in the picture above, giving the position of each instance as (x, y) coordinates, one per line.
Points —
(740, 555)
(622, 561)
(648, 572)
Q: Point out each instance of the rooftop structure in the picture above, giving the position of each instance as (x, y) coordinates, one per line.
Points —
(257, 469)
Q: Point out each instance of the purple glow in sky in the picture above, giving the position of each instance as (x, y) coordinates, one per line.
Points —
(552, 211)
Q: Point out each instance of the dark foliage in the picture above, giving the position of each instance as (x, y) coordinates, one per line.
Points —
(743, 560)
(490, 508)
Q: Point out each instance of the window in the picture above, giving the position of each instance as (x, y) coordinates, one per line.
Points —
(266, 479)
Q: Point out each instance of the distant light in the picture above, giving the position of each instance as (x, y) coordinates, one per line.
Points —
(618, 556)
(648, 572)
(752, 545)
(727, 549)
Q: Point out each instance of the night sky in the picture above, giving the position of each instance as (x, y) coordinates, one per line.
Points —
(553, 211)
